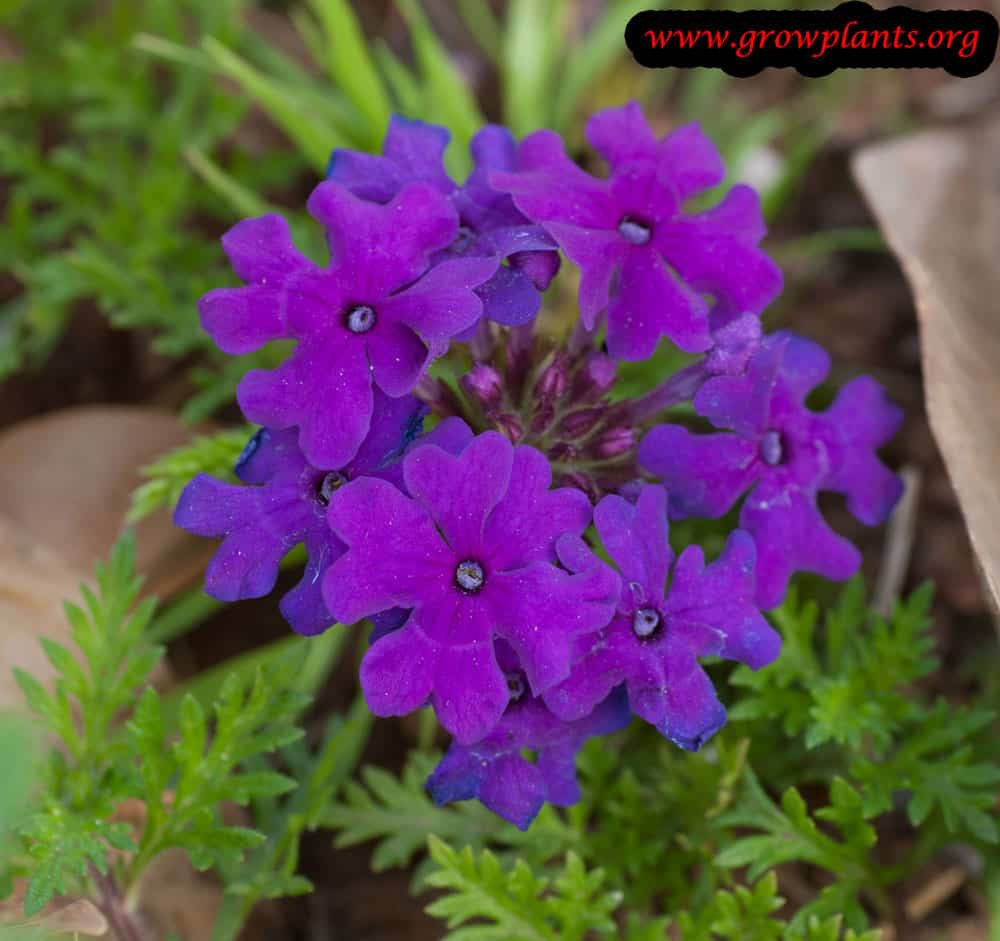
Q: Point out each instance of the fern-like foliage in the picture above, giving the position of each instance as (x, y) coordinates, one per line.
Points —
(182, 764)
(849, 690)
(486, 902)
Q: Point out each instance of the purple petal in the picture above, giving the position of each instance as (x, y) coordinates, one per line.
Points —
(385, 622)
(461, 492)
(470, 692)
(394, 551)
(443, 302)
(513, 789)
(636, 538)
(493, 148)
(509, 297)
(540, 610)
(261, 250)
(704, 474)
(621, 135)
(540, 267)
(325, 389)
(593, 677)
(398, 357)
(599, 254)
(395, 423)
(791, 535)
(303, 607)
(863, 418)
(690, 161)
(418, 150)
(651, 303)
(743, 403)
(365, 175)
(269, 453)
(384, 247)
(711, 259)
(527, 521)
(397, 673)
(720, 597)
(241, 320)
(694, 713)
(550, 187)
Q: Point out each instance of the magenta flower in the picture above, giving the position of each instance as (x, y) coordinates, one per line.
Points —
(490, 224)
(643, 260)
(782, 455)
(374, 317)
(495, 772)
(658, 633)
(472, 554)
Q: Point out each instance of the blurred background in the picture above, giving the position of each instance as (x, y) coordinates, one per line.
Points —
(133, 133)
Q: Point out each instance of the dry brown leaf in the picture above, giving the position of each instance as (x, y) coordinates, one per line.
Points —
(33, 584)
(937, 198)
(67, 479)
(63, 916)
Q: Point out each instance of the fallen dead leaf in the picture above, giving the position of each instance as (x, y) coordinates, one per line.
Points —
(67, 479)
(62, 916)
(936, 196)
(34, 582)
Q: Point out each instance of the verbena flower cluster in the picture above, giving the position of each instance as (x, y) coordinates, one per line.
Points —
(472, 545)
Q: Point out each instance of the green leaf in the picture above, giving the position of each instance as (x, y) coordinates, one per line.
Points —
(351, 67)
(280, 101)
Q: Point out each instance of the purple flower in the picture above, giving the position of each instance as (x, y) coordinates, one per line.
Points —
(658, 634)
(373, 318)
(472, 554)
(643, 259)
(494, 770)
(782, 454)
(285, 507)
(490, 224)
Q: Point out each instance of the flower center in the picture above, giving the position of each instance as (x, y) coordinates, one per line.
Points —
(646, 622)
(516, 685)
(329, 485)
(360, 318)
(771, 451)
(469, 576)
(462, 240)
(634, 230)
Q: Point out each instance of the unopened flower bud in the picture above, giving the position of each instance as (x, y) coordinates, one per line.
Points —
(484, 384)
(582, 482)
(553, 382)
(577, 424)
(542, 419)
(615, 441)
(510, 426)
(563, 451)
(594, 378)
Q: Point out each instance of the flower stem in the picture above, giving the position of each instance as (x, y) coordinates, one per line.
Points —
(680, 387)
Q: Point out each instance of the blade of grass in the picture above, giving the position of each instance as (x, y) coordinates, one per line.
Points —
(483, 24)
(447, 99)
(244, 201)
(351, 67)
(528, 61)
(282, 103)
(592, 57)
(402, 82)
